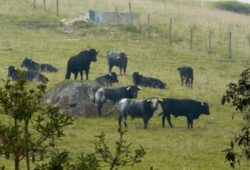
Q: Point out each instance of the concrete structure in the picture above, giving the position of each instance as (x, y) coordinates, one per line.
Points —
(114, 18)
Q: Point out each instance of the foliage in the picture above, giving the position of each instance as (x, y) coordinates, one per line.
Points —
(122, 156)
(234, 7)
(23, 106)
(239, 95)
(92, 161)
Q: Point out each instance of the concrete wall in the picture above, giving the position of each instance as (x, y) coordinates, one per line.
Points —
(113, 18)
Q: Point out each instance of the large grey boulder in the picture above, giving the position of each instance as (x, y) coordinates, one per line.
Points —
(75, 98)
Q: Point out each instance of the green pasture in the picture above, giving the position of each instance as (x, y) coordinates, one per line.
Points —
(28, 32)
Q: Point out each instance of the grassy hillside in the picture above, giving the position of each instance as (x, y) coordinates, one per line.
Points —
(25, 31)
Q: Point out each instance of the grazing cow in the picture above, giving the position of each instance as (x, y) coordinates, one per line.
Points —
(137, 109)
(183, 107)
(25, 75)
(107, 79)
(118, 59)
(81, 62)
(141, 80)
(114, 94)
(187, 77)
(33, 66)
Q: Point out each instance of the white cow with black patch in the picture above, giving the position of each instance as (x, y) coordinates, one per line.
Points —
(137, 109)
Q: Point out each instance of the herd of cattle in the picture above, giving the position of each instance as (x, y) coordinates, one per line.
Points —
(123, 96)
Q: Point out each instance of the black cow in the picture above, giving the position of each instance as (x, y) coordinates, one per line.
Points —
(107, 79)
(118, 59)
(16, 74)
(114, 94)
(186, 74)
(34, 66)
(81, 62)
(136, 109)
(141, 80)
(183, 107)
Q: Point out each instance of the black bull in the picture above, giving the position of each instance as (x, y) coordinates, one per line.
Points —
(183, 107)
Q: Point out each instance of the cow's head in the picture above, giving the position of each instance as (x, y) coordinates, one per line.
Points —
(122, 54)
(153, 103)
(205, 108)
(113, 77)
(26, 61)
(133, 90)
(137, 77)
(11, 71)
(93, 53)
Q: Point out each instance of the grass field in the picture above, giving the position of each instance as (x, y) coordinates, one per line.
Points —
(25, 31)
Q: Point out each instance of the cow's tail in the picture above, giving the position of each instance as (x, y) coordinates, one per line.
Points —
(68, 71)
(160, 114)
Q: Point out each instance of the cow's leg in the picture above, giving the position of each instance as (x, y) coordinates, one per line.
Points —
(99, 107)
(189, 122)
(125, 120)
(124, 70)
(110, 68)
(120, 120)
(120, 70)
(169, 120)
(87, 74)
(182, 79)
(145, 121)
(163, 120)
(81, 73)
(76, 74)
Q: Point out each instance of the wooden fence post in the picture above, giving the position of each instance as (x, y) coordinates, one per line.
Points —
(57, 7)
(148, 25)
(170, 30)
(44, 5)
(210, 42)
(191, 39)
(131, 15)
(117, 15)
(229, 44)
(34, 4)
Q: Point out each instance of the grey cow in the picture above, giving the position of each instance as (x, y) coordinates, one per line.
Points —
(137, 109)
(118, 59)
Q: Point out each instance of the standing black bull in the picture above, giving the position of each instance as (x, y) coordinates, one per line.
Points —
(118, 59)
(16, 74)
(141, 80)
(186, 74)
(34, 66)
(183, 107)
(137, 109)
(114, 95)
(81, 62)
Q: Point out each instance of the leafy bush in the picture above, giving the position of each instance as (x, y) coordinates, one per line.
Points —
(233, 7)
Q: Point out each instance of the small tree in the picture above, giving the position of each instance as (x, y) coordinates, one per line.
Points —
(27, 113)
(239, 95)
(123, 156)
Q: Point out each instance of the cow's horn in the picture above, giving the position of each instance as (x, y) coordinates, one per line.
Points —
(139, 87)
(148, 100)
(202, 103)
(128, 88)
(140, 73)
(160, 100)
(110, 74)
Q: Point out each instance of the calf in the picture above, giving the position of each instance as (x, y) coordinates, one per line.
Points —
(118, 59)
(183, 107)
(25, 75)
(81, 62)
(186, 74)
(33, 66)
(137, 109)
(141, 80)
(114, 95)
(107, 79)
